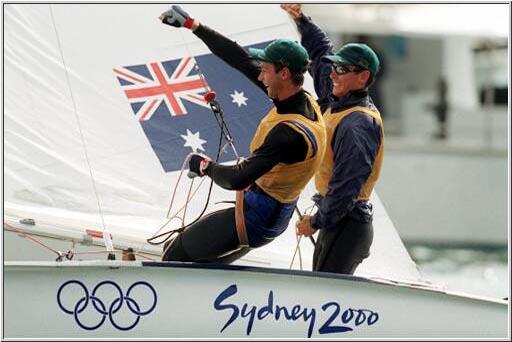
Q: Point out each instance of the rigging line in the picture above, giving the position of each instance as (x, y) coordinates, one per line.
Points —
(59, 253)
(242, 33)
(176, 188)
(175, 215)
(309, 210)
(217, 110)
(292, 24)
(297, 248)
(169, 219)
(184, 207)
(179, 230)
(106, 236)
(114, 251)
(187, 201)
(220, 119)
(311, 238)
(221, 124)
(28, 236)
(171, 232)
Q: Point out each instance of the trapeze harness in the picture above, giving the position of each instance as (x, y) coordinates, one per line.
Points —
(263, 211)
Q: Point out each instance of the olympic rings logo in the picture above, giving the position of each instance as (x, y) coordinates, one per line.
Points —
(100, 306)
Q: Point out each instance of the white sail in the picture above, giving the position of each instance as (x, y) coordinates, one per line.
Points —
(76, 156)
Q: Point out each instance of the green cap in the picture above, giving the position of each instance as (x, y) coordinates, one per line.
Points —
(356, 54)
(284, 51)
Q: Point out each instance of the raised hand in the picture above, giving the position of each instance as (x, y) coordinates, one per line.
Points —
(177, 17)
(294, 10)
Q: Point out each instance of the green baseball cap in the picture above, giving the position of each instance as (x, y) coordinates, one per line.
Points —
(356, 54)
(284, 51)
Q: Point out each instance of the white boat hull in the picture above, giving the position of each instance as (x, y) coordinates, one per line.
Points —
(204, 301)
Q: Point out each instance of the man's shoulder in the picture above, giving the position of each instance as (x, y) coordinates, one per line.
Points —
(284, 134)
(357, 120)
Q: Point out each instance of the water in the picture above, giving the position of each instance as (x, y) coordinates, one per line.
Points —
(479, 271)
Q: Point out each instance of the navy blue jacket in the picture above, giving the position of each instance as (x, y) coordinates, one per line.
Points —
(355, 142)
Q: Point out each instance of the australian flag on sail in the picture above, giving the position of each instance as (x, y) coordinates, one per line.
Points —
(167, 99)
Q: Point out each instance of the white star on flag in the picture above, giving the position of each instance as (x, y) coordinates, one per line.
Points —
(239, 98)
(193, 141)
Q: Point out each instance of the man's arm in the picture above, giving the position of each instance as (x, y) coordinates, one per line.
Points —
(282, 145)
(224, 48)
(230, 52)
(318, 45)
(355, 145)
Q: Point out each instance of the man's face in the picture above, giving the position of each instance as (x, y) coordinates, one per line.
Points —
(271, 79)
(346, 78)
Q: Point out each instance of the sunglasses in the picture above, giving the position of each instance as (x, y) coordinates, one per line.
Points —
(340, 69)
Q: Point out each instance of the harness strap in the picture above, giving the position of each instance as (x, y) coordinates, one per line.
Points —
(241, 230)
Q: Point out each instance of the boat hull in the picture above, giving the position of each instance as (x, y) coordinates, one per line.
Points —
(175, 300)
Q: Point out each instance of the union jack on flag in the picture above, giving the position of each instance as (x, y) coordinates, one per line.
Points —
(149, 86)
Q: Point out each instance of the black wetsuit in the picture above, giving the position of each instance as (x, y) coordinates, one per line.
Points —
(214, 238)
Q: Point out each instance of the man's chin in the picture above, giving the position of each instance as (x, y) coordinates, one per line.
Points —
(338, 93)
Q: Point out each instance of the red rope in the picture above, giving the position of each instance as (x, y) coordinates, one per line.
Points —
(25, 235)
(22, 234)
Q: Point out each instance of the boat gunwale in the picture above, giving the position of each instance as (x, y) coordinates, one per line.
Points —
(257, 269)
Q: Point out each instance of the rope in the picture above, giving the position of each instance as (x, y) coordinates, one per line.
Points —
(297, 248)
(225, 133)
(309, 210)
(216, 109)
(70, 254)
(114, 251)
(187, 201)
(176, 187)
(171, 232)
(106, 236)
(25, 235)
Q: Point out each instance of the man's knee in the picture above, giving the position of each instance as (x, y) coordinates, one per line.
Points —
(174, 251)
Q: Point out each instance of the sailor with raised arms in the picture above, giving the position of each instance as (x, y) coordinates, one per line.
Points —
(354, 150)
(286, 151)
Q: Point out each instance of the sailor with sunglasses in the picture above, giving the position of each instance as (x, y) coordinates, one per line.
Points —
(354, 151)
